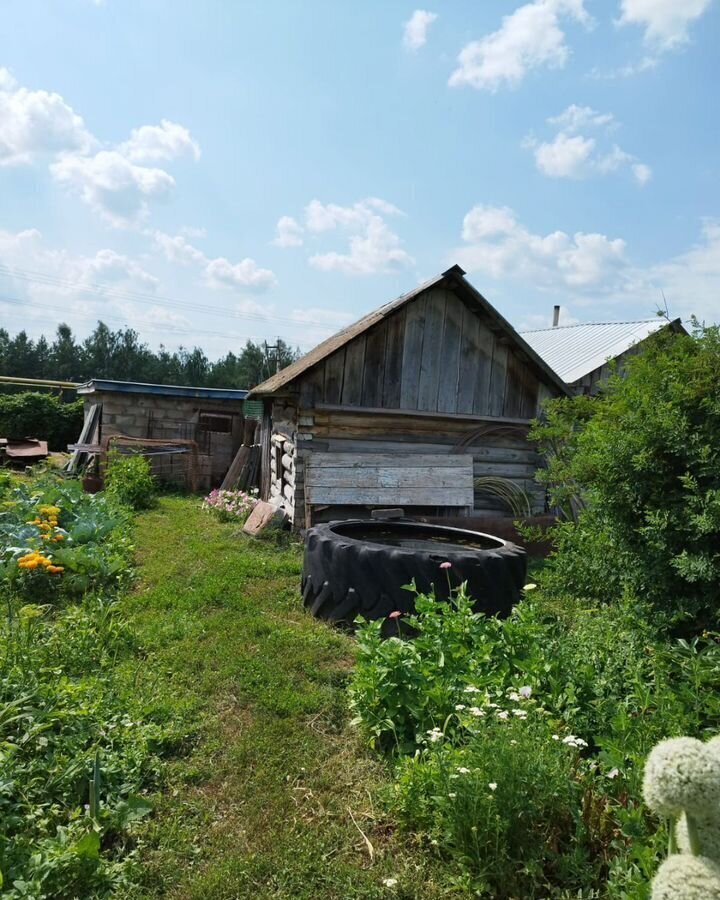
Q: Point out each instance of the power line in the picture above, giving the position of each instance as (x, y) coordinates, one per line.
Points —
(159, 327)
(48, 280)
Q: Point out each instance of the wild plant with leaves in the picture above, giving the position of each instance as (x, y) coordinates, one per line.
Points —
(76, 747)
(640, 465)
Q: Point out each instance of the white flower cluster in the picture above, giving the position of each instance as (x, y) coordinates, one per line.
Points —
(682, 782)
(573, 741)
(682, 775)
(683, 877)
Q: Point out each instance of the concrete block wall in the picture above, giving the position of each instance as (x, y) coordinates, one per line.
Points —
(130, 414)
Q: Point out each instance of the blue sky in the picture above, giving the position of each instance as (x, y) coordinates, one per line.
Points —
(208, 172)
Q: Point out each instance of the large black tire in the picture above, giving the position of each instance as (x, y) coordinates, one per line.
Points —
(345, 577)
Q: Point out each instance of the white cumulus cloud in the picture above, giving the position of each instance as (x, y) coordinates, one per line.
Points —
(246, 274)
(35, 124)
(112, 185)
(166, 141)
(498, 245)
(564, 157)
(117, 181)
(289, 232)
(416, 28)
(217, 273)
(666, 22)
(177, 248)
(529, 38)
(372, 246)
(570, 154)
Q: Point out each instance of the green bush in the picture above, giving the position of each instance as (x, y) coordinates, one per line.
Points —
(644, 460)
(42, 416)
(128, 479)
(600, 678)
(76, 542)
(77, 748)
(507, 803)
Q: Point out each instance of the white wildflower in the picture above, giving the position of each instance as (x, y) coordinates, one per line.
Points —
(476, 711)
(463, 770)
(435, 735)
(526, 692)
(492, 705)
(613, 773)
(514, 696)
(460, 707)
(683, 877)
(682, 774)
(493, 785)
(573, 741)
(520, 713)
(503, 714)
(513, 743)
(530, 587)
(390, 882)
(471, 689)
(556, 737)
(452, 796)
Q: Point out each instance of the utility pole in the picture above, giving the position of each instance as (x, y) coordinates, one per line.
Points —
(276, 348)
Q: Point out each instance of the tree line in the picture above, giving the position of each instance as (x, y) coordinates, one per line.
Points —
(122, 356)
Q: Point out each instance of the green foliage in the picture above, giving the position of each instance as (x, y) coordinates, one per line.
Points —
(601, 679)
(508, 803)
(41, 416)
(128, 480)
(121, 355)
(84, 535)
(76, 743)
(645, 457)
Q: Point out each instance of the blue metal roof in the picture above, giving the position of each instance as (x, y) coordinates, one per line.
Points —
(166, 390)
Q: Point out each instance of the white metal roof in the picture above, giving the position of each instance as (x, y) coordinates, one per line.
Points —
(576, 350)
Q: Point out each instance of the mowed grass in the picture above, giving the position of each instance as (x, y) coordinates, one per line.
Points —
(274, 796)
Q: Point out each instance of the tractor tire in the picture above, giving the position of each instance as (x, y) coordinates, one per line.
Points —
(345, 576)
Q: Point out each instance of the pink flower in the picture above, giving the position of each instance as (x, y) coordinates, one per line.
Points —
(395, 615)
(446, 565)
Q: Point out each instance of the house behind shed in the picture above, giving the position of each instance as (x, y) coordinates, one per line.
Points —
(211, 418)
(407, 408)
(584, 355)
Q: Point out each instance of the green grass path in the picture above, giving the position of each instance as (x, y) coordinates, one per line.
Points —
(262, 803)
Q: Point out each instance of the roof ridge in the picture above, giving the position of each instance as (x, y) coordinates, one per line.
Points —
(583, 324)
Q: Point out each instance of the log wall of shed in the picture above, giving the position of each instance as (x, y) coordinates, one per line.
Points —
(436, 354)
(498, 448)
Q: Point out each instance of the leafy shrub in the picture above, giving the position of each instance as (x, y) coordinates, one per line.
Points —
(508, 803)
(77, 749)
(645, 458)
(600, 678)
(42, 416)
(56, 540)
(129, 480)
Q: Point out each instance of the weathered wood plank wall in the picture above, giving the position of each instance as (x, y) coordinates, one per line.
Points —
(419, 382)
(436, 355)
(390, 479)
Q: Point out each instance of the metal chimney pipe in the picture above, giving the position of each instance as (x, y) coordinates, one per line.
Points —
(556, 316)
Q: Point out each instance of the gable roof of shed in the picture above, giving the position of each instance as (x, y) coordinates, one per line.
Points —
(574, 351)
(453, 279)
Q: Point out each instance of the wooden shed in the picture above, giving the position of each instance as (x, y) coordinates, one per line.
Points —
(407, 407)
(210, 420)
